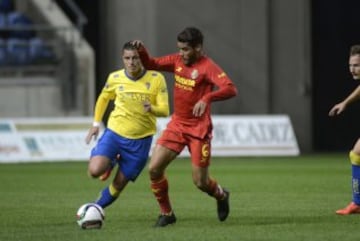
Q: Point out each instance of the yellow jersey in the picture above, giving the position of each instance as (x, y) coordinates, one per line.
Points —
(129, 118)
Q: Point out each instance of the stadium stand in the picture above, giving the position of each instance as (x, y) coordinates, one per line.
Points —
(40, 52)
(43, 56)
(20, 25)
(6, 6)
(21, 45)
(2, 52)
(3, 31)
(17, 51)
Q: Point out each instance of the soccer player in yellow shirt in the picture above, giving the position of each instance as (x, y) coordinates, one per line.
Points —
(354, 66)
(139, 97)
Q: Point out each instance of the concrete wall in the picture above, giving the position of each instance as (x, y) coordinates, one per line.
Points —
(29, 97)
(263, 46)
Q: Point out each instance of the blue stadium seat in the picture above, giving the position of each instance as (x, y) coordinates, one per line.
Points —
(18, 19)
(39, 51)
(17, 51)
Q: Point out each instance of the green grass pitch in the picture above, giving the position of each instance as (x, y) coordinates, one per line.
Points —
(272, 198)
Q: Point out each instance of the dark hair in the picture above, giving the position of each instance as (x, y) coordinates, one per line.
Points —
(354, 50)
(129, 46)
(192, 36)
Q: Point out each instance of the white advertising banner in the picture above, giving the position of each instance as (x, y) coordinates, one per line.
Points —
(63, 139)
(44, 139)
(250, 135)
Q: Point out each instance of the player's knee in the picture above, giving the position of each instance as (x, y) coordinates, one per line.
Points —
(92, 172)
(155, 172)
(354, 158)
(96, 167)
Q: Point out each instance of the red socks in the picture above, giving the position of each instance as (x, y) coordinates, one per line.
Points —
(159, 187)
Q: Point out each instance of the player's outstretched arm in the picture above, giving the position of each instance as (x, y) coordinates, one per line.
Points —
(340, 107)
(337, 109)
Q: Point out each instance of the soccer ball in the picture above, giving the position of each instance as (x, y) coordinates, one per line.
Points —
(90, 216)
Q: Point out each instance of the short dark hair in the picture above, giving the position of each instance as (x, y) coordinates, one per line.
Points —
(192, 36)
(129, 46)
(354, 50)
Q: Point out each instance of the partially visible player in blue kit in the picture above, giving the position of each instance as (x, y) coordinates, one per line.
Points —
(354, 66)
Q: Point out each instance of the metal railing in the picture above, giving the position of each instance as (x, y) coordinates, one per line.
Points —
(81, 19)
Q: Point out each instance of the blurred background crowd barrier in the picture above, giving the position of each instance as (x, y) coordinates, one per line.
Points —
(46, 66)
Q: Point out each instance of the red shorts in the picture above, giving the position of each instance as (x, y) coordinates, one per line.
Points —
(200, 149)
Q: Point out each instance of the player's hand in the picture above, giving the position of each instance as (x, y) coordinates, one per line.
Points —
(137, 43)
(93, 133)
(199, 108)
(337, 109)
(147, 106)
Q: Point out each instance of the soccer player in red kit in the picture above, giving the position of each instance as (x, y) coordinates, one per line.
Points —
(198, 82)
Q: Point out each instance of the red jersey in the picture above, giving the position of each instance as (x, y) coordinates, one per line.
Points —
(192, 83)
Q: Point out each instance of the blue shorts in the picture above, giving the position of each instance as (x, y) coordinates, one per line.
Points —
(134, 153)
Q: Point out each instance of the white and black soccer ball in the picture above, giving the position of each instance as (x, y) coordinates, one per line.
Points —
(90, 216)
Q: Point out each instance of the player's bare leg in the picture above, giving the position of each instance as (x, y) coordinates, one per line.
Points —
(98, 165)
(108, 171)
(112, 192)
(205, 183)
